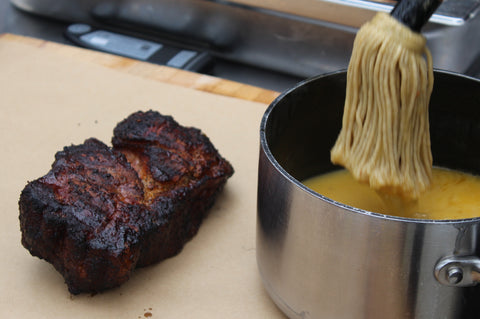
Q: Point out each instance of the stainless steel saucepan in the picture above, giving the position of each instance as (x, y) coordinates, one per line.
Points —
(319, 258)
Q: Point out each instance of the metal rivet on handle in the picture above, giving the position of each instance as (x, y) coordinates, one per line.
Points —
(458, 271)
(454, 275)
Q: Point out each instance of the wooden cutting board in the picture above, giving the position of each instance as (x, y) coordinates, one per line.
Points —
(52, 96)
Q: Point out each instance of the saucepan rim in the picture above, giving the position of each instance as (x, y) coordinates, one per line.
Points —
(266, 149)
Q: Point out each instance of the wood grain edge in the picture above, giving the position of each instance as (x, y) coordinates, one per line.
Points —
(151, 71)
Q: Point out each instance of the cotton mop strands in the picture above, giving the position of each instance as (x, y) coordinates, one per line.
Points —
(385, 137)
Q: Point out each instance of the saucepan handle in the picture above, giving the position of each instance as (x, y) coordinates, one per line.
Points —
(458, 271)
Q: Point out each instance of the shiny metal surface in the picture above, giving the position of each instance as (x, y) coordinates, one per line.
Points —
(302, 38)
(322, 259)
(345, 12)
(24, 23)
(458, 271)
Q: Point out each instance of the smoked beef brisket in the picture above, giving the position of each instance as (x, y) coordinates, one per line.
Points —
(102, 211)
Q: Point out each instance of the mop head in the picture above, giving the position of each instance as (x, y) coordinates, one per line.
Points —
(385, 136)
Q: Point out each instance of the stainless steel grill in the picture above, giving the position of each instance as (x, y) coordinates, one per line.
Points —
(301, 38)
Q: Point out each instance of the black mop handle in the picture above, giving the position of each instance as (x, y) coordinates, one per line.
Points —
(415, 13)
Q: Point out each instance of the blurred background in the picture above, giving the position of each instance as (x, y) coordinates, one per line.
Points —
(272, 43)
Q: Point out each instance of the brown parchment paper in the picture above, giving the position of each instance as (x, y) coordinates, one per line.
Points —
(48, 101)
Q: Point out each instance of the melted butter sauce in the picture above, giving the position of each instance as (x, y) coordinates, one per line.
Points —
(452, 195)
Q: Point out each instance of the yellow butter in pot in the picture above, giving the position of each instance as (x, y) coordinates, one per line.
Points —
(452, 195)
